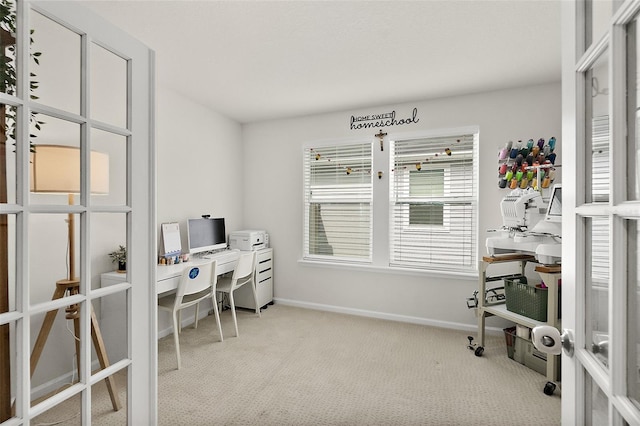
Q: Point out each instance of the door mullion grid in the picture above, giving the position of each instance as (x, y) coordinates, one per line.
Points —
(622, 407)
(617, 307)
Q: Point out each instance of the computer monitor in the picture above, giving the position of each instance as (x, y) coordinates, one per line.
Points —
(206, 235)
(554, 210)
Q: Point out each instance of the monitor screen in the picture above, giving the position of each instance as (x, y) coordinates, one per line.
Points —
(554, 211)
(206, 235)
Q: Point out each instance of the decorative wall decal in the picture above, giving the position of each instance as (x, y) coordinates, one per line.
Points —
(381, 120)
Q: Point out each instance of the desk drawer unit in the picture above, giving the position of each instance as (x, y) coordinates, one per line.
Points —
(243, 297)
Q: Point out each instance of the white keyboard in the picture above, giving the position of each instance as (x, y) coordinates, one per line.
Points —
(224, 256)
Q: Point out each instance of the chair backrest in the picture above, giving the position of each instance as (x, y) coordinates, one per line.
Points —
(245, 269)
(196, 278)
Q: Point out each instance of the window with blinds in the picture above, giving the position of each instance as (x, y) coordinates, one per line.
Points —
(338, 201)
(434, 205)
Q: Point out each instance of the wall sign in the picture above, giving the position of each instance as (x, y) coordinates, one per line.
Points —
(381, 120)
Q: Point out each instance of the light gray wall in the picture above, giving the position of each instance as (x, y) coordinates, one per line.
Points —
(199, 163)
(199, 170)
(273, 200)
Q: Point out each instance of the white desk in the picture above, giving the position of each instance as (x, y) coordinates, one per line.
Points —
(168, 276)
(113, 312)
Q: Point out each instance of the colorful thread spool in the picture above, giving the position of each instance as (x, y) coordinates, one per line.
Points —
(552, 158)
(530, 144)
(529, 159)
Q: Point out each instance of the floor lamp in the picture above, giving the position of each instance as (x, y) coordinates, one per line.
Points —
(55, 169)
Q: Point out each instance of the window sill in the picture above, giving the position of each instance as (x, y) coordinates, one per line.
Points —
(470, 276)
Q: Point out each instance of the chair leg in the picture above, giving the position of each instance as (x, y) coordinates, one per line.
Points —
(180, 321)
(215, 311)
(195, 324)
(175, 337)
(233, 312)
(255, 298)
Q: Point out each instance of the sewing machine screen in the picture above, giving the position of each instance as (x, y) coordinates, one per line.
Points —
(554, 211)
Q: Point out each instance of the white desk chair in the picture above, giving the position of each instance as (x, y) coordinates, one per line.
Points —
(197, 283)
(244, 273)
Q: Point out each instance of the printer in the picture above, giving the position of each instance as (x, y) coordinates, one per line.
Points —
(248, 240)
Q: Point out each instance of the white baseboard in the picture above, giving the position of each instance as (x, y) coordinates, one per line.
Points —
(386, 316)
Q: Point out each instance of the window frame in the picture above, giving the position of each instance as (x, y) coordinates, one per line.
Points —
(381, 171)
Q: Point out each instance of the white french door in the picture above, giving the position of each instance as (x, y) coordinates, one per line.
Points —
(77, 180)
(601, 213)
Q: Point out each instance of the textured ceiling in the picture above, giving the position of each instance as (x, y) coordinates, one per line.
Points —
(259, 60)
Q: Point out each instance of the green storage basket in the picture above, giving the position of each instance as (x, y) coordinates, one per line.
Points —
(527, 300)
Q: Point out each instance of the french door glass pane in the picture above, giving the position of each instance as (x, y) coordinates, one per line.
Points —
(55, 77)
(7, 154)
(112, 321)
(7, 263)
(597, 285)
(55, 337)
(8, 372)
(597, 404)
(597, 131)
(633, 107)
(55, 162)
(108, 87)
(633, 285)
(110, 183)
(598, 15)
(67, 413)
(102, 412)
(108, 233)
(7, 47)
(49, 255)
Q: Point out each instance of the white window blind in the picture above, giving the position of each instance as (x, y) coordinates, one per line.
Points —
(600, 159)
(338, 198)
(433, 220)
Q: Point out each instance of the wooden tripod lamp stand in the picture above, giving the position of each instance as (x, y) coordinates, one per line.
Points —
(55, 169)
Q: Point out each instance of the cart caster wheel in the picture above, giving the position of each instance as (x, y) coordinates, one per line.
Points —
(479, 351)
(549, 388)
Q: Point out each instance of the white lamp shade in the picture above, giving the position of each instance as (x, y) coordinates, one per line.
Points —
(56, 169)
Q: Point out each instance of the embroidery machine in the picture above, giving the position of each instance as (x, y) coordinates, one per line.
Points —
(527, 228)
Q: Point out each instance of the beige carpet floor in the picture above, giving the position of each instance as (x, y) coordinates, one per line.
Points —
(303, 367)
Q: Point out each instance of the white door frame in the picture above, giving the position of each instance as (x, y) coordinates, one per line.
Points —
(579, 370)
(140, 210)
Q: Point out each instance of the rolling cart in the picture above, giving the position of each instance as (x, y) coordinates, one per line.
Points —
(550, 276)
